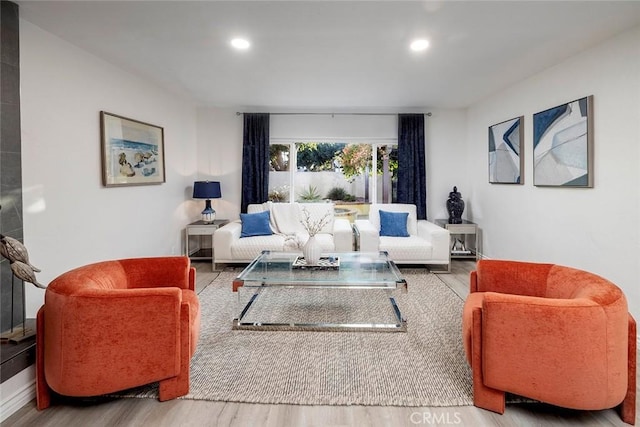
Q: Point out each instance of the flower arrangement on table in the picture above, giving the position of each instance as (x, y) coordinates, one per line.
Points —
(311, 249)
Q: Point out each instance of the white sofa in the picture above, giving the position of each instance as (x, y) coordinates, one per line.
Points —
(288, 233)
(427, 243)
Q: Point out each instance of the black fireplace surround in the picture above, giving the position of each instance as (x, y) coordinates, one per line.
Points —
(14, 357)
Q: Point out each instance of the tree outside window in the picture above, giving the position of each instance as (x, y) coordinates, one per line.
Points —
(340, 172)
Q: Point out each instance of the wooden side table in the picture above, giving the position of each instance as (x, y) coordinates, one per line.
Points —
(199, 228)
(460, 248)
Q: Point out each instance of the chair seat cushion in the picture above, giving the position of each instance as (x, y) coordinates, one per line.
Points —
(412, 248)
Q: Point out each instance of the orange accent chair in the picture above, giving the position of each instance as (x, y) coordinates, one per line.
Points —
(551, 333)
(115, 325)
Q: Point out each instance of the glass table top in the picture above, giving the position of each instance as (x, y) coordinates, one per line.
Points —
(347, 269)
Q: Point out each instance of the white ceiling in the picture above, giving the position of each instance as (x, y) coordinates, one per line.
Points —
(333, 55)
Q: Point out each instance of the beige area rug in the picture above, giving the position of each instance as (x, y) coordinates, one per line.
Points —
(425, 366)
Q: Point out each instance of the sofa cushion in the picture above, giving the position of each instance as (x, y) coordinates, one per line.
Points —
(412, 248)
(250, 247)
(255, 224)
(286, 218)
(393, 224)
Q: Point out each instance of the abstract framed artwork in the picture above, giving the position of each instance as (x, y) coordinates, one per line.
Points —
(506, 158)
(132, 151)
(563, 145)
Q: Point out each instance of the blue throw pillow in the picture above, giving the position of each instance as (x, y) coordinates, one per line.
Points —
(393, 224)
(255, 224)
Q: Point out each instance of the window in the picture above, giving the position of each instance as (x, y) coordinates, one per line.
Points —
(279, 181)
(339, 171)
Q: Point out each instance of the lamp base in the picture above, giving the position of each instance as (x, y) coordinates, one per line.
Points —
(208, 214)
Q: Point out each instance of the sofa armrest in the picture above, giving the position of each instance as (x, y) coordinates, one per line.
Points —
(224, 238)
(342, 235)
(368, 235)
(439, 238)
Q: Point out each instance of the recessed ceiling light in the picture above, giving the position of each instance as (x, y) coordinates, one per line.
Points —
(419, 44)
(240, 43)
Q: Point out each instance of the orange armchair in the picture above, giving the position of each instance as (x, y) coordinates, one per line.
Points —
(551, 333)
(115, 325)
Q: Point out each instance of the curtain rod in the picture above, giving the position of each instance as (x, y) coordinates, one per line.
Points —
(238, 113)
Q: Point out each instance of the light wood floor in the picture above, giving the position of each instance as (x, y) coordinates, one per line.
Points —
(149, 412)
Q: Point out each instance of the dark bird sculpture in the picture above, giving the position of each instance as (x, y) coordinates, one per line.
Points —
(13, 250)
(25, 272)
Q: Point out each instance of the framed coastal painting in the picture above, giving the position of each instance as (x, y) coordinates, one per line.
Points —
(506, 157)
(132, 151)
(563, 145)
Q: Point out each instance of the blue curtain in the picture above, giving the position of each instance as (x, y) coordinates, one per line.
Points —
(255, 159)
(412, 187)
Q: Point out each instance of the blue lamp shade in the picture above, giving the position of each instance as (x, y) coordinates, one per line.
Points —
(207, 190)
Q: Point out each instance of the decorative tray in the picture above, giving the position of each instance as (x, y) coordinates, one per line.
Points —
(325, 263)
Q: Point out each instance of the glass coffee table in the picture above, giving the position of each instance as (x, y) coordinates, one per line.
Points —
(281, 292)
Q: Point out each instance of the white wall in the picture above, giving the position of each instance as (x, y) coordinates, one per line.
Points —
(70, 218)
(220, 157)
(446, 166)
(595, 229)
(347, 126)
(220, 148)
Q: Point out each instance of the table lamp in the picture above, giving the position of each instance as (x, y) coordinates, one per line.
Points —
(207, 190)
